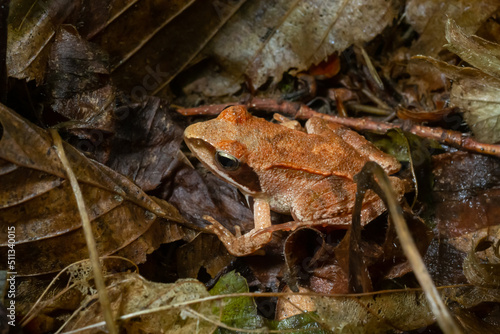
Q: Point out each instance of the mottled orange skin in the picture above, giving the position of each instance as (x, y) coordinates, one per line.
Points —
(308, 175)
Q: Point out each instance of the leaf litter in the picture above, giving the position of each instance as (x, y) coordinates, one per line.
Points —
(88, 91)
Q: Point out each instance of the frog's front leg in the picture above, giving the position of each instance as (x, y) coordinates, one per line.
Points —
(241, 245)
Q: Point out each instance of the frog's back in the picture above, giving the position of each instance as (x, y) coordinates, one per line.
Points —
(285, 148)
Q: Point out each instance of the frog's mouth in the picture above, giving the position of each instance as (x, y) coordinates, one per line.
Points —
(244, 178)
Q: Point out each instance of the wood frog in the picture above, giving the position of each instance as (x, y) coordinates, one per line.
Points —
(308, 175)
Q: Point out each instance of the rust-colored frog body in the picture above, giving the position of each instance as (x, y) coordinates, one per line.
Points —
(308, 175)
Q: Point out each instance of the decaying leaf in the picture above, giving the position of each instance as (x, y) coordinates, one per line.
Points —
(478, 52)
(49, 236)
(239, 312)
(32, 26)
(478, 94)
(130, 293)
(145, 143)
(200, 253)
(465, 201)
(78, 81)
(173, 35)
(428, 18)
(263, 41)
(484, 270)
(196, 194)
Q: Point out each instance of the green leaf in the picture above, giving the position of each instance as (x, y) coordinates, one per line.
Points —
(302, 323)
(240, 312)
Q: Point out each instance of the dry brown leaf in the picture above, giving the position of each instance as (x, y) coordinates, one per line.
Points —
(131, 293)
(138, 140)
(377, 313)
(264, 40)
(78, 81)
(482, 264)
(478, 52)
(465, 201)
(38, 201)
(32, 26)
(428, 18)
(196, 195)
(478, 94)
(204, 251)
(170, 36)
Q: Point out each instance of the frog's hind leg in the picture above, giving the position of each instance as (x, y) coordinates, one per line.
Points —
(334, 197)
(331, 197)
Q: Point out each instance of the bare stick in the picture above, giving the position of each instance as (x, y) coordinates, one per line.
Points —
(301, 111)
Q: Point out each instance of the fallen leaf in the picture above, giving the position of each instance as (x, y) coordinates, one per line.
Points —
(199, 253)
(49, 237)
(145, 143)
(32, 26)
(130, 293)
(428, 18)
(482, 264)
(78, 81)
(171, 36)
(239, 312)
(477, 94)
(294, 304)
(197, 194)
(262, 41)
(478, 52)
(466, 193)
(400, 310)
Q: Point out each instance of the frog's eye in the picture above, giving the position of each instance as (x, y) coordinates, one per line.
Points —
(227, 161)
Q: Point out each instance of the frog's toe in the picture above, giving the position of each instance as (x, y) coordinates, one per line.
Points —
(238, 245)
(223, 233)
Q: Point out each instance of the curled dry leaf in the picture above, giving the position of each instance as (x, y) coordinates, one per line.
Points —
(32, 26)
(263, 40)
(484, 271)
(480, 53)
(428, 18)
(130, 293)
(477, 93)
(42, 207)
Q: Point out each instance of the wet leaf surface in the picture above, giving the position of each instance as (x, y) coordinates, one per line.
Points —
(466, 193)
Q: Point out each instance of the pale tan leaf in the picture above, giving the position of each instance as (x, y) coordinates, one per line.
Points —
(478, 52)
(130, 293)
(478, 94)
(377, 313)
(264, 40)
(428, 18)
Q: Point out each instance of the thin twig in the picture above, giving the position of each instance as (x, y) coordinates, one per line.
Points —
(438, 308)
(301, 111)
